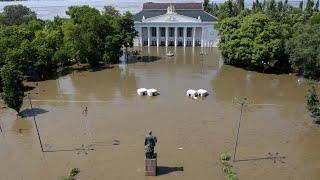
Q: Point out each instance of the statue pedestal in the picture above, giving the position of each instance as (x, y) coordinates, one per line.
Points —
(151, 167)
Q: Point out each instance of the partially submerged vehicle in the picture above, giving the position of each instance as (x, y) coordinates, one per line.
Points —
(152, 92)
(142, 91)
(170, 54)
(202, 92)
(192, 93)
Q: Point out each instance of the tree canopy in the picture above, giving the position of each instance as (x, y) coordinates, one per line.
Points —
(304, 51)
(16, 14)
(35, 48)
(12, 93)
(270, 37)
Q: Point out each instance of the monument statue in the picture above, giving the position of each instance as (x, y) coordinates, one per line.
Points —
(149, 144)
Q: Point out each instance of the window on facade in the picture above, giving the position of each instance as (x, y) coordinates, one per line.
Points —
(153, 32)
(163, 32)
(171, 32)
(153, 43)
(189, 32)
(198, 43)
(180, 32)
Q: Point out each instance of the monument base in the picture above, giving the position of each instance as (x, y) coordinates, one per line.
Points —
(151, 167)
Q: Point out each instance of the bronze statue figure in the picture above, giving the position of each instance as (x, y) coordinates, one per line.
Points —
(149, 144)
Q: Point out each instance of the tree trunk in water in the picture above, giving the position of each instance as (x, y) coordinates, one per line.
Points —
(18, 113)
(126, 54)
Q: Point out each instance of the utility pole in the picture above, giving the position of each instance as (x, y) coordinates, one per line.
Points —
(242, 103)
(35, 122)
(1, 129)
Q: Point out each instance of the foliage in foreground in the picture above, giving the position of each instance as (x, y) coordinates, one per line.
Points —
(72, 174)
(227, 167)
(313, 103)
(12, 93)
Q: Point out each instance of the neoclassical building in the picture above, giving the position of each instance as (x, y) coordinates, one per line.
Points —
(175, 24)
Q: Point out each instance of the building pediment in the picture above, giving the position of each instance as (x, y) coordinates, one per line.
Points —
(171, 17)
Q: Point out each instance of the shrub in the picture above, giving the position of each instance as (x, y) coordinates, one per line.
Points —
(227, 167)
(313, 103)
(225, 157)
(72, 174)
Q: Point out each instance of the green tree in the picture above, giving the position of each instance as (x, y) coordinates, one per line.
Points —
(280, 6)
(46, 44)
(126, 31)
(113, 50)
(313, 103)
(315, 19)
(309, 6)
(316, 7)
(87, 33)
(206, 6)
(240, 5)
(254, 42)
(301, 5)
(271, 6)
(16, 14)
(312, 99)
(304, 50)
(12, 87)
(110, 10)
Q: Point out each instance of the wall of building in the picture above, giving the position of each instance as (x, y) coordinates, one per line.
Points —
(209, 39)
(210, 36)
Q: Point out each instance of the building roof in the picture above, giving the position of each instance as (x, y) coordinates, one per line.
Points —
(164, 6)
(193, 10)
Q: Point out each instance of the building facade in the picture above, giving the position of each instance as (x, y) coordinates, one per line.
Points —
(175, 24)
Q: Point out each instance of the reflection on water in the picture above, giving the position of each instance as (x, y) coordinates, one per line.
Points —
(278, 89)
(275, 121)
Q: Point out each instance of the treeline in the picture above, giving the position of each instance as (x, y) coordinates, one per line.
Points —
(32, 48)
(272, 37)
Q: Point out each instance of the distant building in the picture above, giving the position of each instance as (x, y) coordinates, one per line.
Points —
(175, 24)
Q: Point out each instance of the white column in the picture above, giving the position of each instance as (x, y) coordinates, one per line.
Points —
(140, 36)
(194, 36)
(167, 36)
(149, 36)
(185, 36)
(175, 36)
(158, 36)
(202, 45)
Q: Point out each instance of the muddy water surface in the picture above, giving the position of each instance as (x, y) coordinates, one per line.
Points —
(107, 141)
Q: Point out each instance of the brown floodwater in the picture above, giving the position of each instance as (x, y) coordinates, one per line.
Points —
(191, 133)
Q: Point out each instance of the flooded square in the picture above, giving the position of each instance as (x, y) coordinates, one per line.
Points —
(106, 142)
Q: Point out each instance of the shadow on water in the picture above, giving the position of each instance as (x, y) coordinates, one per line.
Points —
(27, 88)
(275, 157)
(144, 59)
(82, 68)
(162, 170)
(32, 112)
(75, 68)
